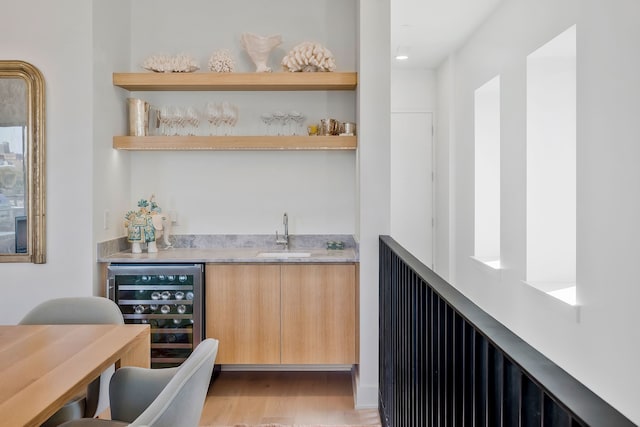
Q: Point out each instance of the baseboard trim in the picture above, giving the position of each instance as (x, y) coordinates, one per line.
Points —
(364, 396)
(285, 368)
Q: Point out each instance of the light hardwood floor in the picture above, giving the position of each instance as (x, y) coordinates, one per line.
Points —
(287, 398)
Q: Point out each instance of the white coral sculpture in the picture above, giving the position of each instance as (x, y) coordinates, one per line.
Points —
(309, 56)
(259, 48)
(181, 63)
(222, 62)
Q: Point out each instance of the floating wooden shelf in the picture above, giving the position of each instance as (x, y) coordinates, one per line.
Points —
(186, 143)
(150, 81)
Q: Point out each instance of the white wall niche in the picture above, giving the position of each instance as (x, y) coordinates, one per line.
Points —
(551, 167)
(487, 173)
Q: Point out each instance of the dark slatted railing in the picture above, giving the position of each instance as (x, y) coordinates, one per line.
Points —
(445, 362)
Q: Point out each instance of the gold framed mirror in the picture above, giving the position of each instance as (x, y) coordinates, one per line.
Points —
(22, 163)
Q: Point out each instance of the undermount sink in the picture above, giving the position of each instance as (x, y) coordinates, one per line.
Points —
(284, 254)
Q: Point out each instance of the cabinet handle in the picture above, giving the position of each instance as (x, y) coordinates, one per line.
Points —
(111, 289)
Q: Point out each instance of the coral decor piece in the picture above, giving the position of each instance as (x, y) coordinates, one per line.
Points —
(222, 62)
(181, 63)
(309, 56)
(259, 48)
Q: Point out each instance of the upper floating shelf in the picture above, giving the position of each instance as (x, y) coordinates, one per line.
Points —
(187, 143)
(284, 81)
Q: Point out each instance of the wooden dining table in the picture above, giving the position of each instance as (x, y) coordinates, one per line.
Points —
(43, 366)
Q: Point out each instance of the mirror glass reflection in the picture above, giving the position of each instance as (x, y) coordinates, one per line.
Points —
(13, 176)
(22, 163)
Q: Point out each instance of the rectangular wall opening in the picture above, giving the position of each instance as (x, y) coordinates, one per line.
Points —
(487, 173)
(551, 167)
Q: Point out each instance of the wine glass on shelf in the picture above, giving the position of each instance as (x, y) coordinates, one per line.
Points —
(235, 113)
(229, 117)
(165, 120)
(193, 120)
(212, 113)
(286, 128)
(178, 119)
(267, 119)
(279, 118)
(297, 118)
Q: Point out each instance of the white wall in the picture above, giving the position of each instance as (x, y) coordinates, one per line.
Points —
(247, 192)
(444, 233)
(373, 181)
(111, 168)
(411, 203)
(55, 37)
(413, 89)
(598, 344)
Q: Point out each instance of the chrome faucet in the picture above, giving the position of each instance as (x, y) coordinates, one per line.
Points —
(284, 240)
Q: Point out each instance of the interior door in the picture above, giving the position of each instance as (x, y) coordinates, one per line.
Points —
(412, 183)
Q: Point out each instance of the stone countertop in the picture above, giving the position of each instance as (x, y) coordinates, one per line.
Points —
(229, 255)
(235, 249)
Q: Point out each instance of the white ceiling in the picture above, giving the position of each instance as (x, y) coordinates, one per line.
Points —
(431, 29)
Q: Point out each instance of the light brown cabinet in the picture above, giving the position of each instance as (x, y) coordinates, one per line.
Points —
(282, 313)
(318, 314)
(243, 312)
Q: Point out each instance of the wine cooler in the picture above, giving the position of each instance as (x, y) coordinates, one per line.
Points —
(166, 296)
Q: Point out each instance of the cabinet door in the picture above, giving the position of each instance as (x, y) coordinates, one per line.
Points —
(318, 314)
(243, 312)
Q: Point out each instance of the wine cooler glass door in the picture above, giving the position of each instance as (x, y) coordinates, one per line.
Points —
(169, 299)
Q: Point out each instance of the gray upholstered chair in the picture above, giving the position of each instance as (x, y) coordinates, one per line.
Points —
(78, 310)
(168, 397)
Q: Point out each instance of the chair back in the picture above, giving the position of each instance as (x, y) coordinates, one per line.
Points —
(180, 403)
(74, 311)
(80, 311)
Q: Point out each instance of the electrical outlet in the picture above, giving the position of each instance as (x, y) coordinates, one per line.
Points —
(106, 220)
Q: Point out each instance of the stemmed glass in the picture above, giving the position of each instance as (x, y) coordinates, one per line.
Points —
(165, 120)
(267, 119)
(193, 120)
(297, 118)
(280, 118)
(178, 119)
(235, 115)
(213, 114)
(229, 116)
